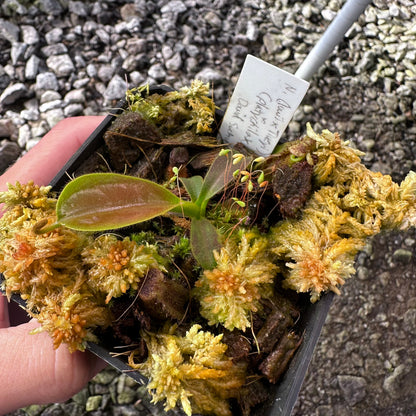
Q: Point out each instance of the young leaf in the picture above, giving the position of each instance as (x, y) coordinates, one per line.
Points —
(193, 186)
(219, 175)
(204, 240)
(102, 201)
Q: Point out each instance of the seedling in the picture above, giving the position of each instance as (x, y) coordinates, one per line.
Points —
(104, 201)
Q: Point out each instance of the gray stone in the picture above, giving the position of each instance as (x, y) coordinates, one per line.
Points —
(61, 65)
(353, 388)
(52, 7)
(252, 31)
(31, 114)
(39, 129)
(103, 35)
(55, 49)
(174, 6)
(409, 321)
(397, 384)
(17, 52)
(79, 8)
(13, 93)
(157, 72)
(134, 46)
(105, 73)
(9, 31)
(174, 63)
(54, 116)
(91, 70)
(210, 75)
(10, 7)
(73, 110)
(54, 36)
(7, 128)
(49, 95)
(32, 67)
(93, 403)
(402, 255)
(127, 396)
(46, 81)
(104, 377)
(116, 88)
(25, 134)
(50, 105)
(30, 35)
(75, 96)
(9, 152)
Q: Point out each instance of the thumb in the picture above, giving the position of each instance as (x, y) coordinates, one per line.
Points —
(34, 373)
(4, 312)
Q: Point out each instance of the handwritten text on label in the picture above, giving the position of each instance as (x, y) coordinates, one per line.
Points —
(261, 106)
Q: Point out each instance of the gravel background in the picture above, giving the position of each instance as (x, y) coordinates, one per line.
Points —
(61, 58)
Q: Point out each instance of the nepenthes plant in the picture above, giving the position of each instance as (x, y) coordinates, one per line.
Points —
(192, 259)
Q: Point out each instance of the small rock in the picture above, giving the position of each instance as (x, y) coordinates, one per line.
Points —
(409, 321)
(104, 377)
(61, 65)
(105, 73)
(50, 105)
(9, 31)
(54, 36)
(75, 96)
(7, 128)
(213, 19)
(32, 143)
(30, 114)
(25, 134)
(54, 116)
(209, 75)
(93, 403)
(174, 6)
(127, 396)
(10, 7)
(402, 255)
(46, 81)
(79, 8)
(55, 49)
(116, 88)
(252, 31)
(30, 35)
(72, 110)
(174, 63)
(396, 384)
(32, 67)
(135, 46)
(157, 72)
(272, 42)
(9, 152)
(49, 95)
(353, 388)
(52, 7)
(13, 93)
(128, 12)
(17, 52)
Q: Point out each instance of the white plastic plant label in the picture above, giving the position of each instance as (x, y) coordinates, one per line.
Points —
(263, 102)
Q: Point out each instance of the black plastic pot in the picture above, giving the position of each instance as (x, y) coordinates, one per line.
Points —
(285, 393)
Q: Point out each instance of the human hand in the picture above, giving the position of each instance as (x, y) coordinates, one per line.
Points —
(31, 370)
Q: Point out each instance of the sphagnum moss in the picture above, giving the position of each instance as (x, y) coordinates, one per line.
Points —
(351, 204)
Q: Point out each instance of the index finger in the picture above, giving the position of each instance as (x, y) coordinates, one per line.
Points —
(43, 162)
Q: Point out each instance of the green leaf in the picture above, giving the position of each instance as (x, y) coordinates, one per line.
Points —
(193, 186)
(102, 201)
(204, 240)
(219, 175)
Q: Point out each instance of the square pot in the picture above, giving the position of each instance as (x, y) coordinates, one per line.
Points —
(284, 394)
